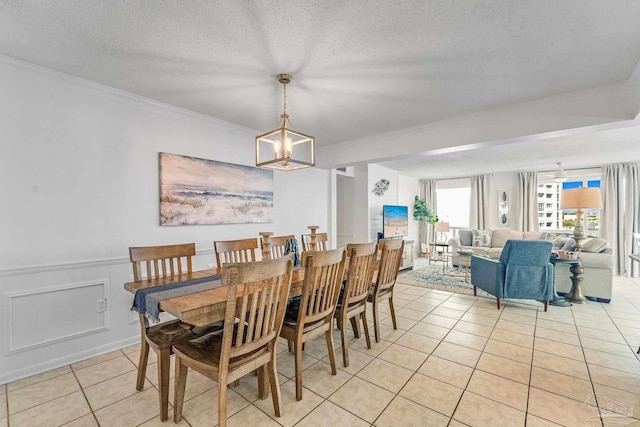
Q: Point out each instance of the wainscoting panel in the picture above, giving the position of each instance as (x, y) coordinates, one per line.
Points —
(44, 316)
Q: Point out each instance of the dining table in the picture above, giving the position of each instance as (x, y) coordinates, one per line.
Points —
(203, 307)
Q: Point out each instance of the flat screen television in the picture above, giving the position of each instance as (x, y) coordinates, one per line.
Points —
(395, 221)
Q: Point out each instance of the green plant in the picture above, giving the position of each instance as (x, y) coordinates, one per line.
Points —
(422, 212)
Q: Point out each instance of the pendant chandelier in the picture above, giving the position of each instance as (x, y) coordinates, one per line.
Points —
(284, 148)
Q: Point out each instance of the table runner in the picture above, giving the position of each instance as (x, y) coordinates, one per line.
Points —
(146, 300)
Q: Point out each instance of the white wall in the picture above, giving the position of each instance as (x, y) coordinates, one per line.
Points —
(79, 173)
(390, 197)
(503, 181)
(408, 189)
(359, 211)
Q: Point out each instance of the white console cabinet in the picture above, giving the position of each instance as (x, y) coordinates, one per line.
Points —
(407, 256)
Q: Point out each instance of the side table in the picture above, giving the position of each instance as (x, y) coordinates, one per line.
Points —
(438, 251)
(575, 294)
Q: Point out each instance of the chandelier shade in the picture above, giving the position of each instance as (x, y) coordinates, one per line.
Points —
(284, 148)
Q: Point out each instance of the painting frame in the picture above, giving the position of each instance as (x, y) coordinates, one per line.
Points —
(196, 191)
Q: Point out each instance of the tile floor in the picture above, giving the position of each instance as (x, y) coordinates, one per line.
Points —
(453, 361)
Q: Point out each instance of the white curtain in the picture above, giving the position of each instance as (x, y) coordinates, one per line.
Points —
(479, 215)
(620, 216)
(428, 194)
(528, 212)
(632, 214)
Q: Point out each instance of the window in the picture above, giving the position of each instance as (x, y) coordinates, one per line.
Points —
(550, 217)
(453, 206)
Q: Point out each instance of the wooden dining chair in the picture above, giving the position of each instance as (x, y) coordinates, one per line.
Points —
(256, 303)
(352, 303)
(313, 316)
(277, 245)
(150, 262)
(235, 251)
(382, 289)
(322, 240)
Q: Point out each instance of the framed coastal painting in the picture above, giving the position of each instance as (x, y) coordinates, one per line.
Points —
(503, 208)
(197, 191)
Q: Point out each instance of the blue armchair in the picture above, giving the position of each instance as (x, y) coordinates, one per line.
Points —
(522, 272)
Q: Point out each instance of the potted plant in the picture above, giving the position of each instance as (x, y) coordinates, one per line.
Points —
(422, 212)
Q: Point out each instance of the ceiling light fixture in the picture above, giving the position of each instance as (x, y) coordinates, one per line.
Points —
(284, 148)
(560, 175)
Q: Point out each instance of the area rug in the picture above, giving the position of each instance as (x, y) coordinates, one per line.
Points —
(431, 277)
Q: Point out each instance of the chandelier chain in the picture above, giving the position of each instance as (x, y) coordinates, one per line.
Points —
(284, 98)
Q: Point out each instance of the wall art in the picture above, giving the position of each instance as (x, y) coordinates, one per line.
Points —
(197, 191)
(381, 187)
(503, 208)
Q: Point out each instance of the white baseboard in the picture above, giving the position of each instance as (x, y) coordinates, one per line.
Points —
(7, 377)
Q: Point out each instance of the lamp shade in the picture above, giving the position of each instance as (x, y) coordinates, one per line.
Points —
(581, 198)
(442, 227)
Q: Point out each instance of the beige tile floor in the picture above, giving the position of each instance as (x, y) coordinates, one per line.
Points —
(455, 360)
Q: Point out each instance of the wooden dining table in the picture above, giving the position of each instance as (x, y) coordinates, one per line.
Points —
(204, 307)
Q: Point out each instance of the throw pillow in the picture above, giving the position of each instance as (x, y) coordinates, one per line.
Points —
(569, 245)
(560, 242)
(593, 245)
(545, 235)
(482, 238)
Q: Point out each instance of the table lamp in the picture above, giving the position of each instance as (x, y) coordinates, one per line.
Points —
(441, 228)
(580, 199)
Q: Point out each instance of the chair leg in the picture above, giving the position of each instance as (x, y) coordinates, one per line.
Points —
(376, 321)
(298, 357)
(498, 301)
(179, 387)
(290, 345)
(262, 384)
(356, 328)
(546, 305)
(272, 371)
(163, 382)
(222, 404)
(365, 326)
(345, 348)
(142, 364)
(393, 313)
(474, 291)
(332, 355)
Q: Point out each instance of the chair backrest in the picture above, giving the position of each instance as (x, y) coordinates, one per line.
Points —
(526, 252)
(527, 270)
(257, 297)
(277, 245)
(161, 261)
(323, 275)
(235, 251)
(321, 242)
(362, 266)
(389, 266)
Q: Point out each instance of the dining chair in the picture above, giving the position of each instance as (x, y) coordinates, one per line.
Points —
(256, 302)
(235, 251)
(277, 245)
(390, 262)
(313, 316)
(352, 302)
(167, 261)
(322, 239)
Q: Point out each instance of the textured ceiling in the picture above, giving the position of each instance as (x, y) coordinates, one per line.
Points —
(359, 68)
